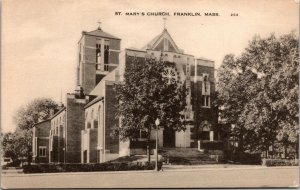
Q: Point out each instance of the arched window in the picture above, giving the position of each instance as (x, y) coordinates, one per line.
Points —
(96, 119)
(205, 83)
(92, 115)
(56, 126)
(98, 53)
(87, 119)
(106, 57)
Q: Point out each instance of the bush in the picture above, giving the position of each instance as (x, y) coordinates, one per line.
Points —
(280, 162)
(212, 145)
(243, 158)
(91, 167)
(15, 163)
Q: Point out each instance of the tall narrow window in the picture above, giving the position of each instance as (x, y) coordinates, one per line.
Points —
(98, 53)
(96, 119)
(205, 83)
(205, 101)
(106, 57)
(42, 151)
(98, 56)
(92, 116)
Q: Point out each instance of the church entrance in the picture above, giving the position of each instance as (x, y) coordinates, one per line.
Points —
(169, 138)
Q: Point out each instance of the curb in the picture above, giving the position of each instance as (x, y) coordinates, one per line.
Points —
(153, 171)
(227, 168)
(77, 173)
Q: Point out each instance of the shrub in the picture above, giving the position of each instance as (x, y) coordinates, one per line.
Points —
(280, 162)
(107, 166)
(243, 158)
(15, 163)
(212, 145)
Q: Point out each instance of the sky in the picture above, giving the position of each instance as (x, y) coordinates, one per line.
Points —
(39, 38)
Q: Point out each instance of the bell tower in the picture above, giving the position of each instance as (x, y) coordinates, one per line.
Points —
(98, 55)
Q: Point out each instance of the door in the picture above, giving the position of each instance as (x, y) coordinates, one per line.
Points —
(169, 138)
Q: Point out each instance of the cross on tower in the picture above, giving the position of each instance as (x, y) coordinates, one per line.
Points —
(165, 20)
(99, 23)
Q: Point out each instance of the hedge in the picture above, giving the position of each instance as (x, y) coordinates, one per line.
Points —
(212, 145)
(280, 162)
(243, 158)
(90, 167)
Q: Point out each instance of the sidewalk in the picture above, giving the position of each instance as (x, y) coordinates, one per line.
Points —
(219, 167)
(166, 168)
(12, 171)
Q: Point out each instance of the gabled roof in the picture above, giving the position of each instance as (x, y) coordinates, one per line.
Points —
(157, 40)
(41, 122)
(58, 112)
(99, 32)
(93, 101)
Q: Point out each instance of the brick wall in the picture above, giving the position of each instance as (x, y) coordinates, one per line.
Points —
(204, 69)
(89, 60)
(89, 80)
(111, 142)
(201, 113)
(93, 145)
(43, 129)
(42, 142)
(75, 123)
(41, 132)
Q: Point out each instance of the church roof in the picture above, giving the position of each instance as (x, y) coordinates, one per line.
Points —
(97, 99)
(151, 43)
(99, 32)
(157, 40)
(41, 122)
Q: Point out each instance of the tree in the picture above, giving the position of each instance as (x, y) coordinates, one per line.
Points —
(145, 96)
(19, 143)
(38, 109)
(236, 84)
(8, 146)
(258, 92)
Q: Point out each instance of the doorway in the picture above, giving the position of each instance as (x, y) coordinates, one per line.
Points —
(169, 138)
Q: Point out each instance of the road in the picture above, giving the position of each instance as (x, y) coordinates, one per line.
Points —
(198, 178)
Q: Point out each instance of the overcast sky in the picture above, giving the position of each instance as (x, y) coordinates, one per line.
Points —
(39, 37)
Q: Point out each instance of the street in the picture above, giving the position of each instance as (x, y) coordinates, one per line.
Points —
(197, 178)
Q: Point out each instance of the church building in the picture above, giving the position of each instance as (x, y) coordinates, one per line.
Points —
(81, 131)
(97, 143)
